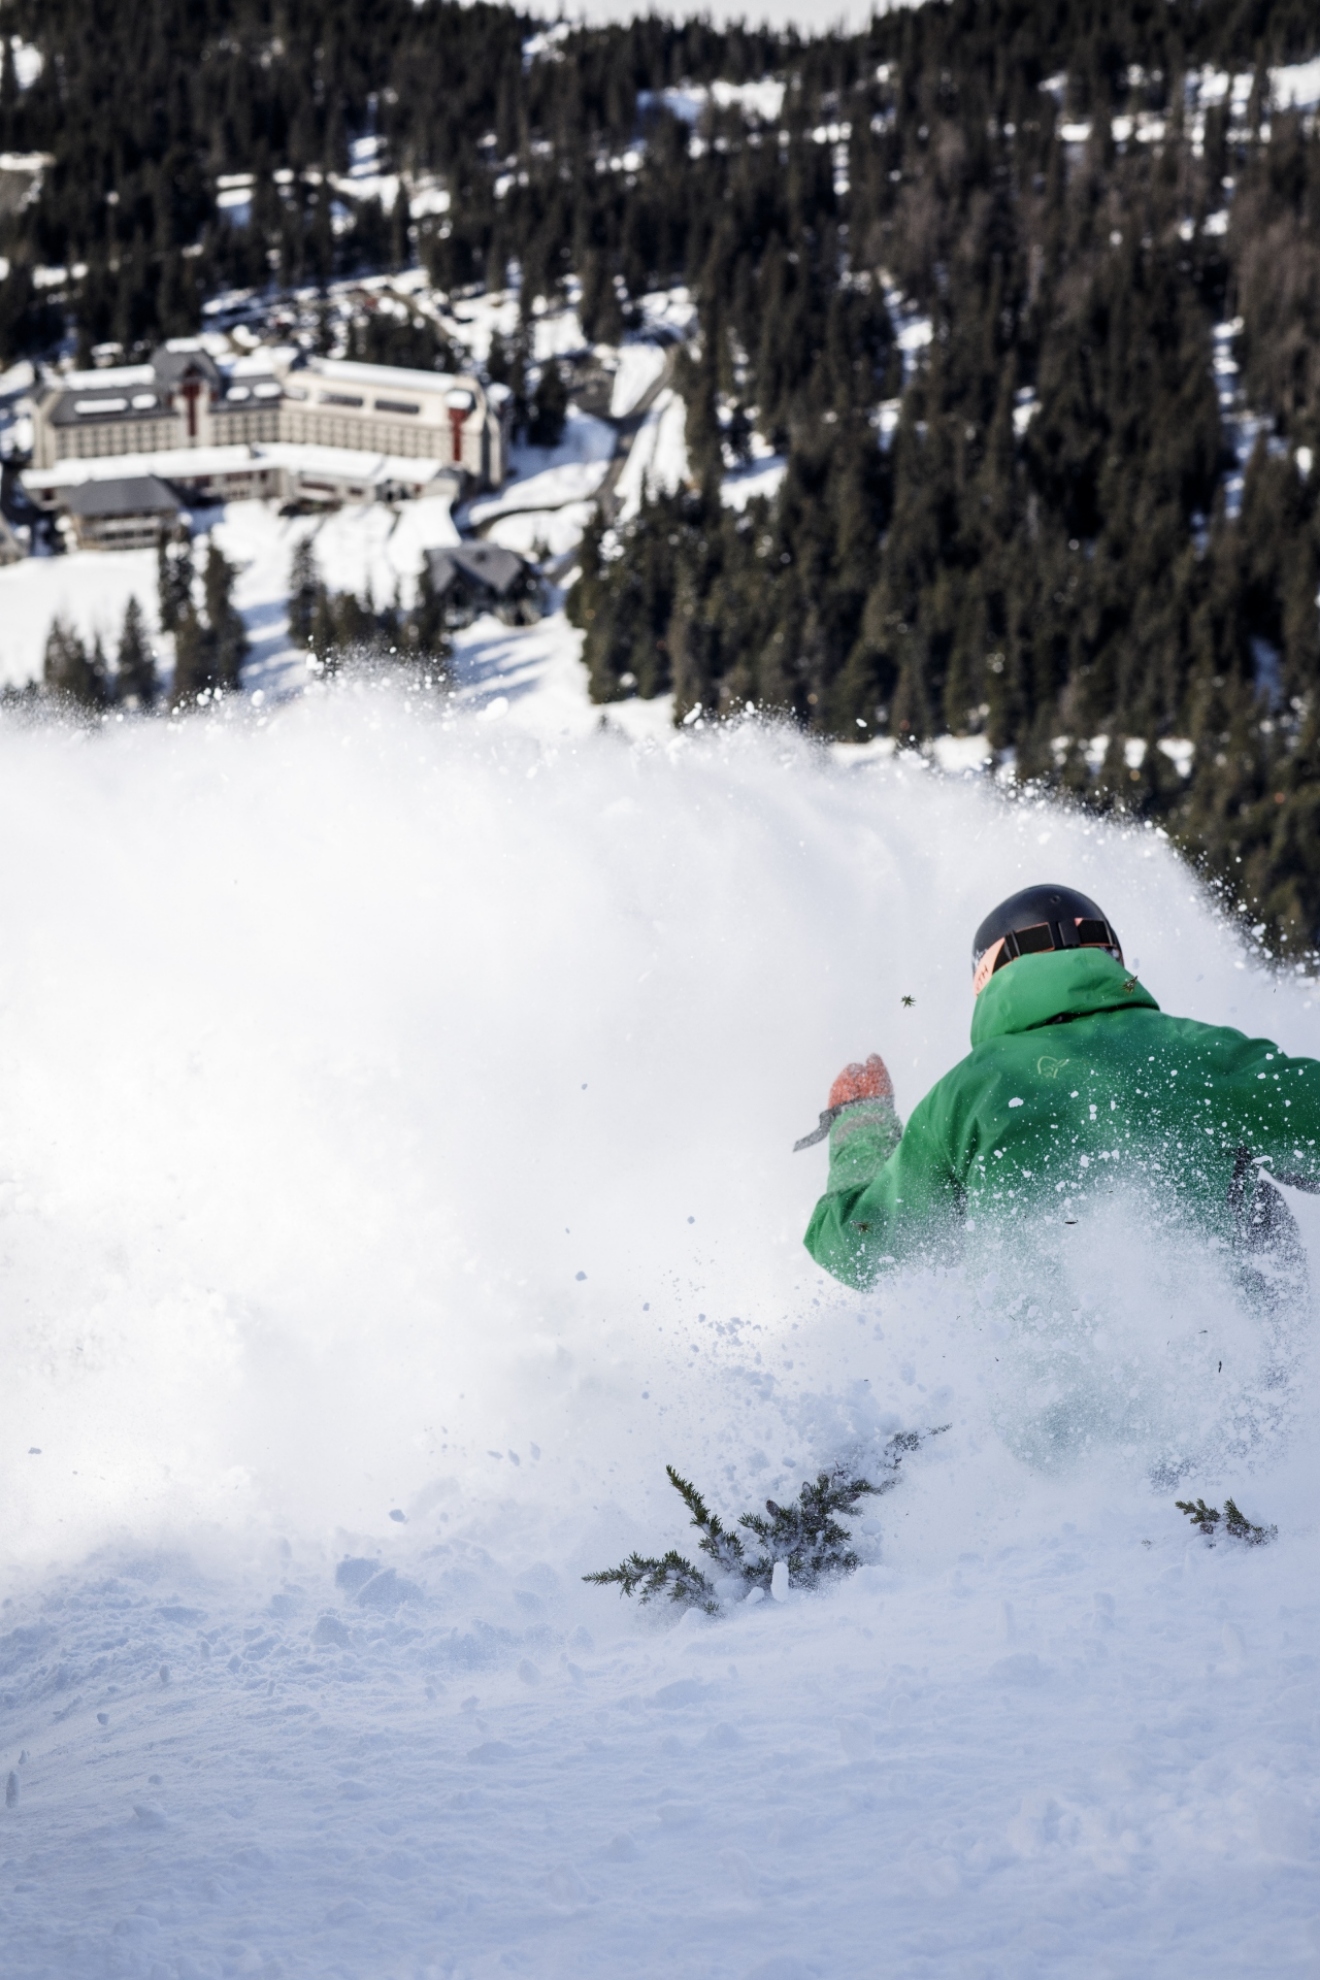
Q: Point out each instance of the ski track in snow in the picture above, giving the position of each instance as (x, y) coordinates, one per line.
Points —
(397, 1106)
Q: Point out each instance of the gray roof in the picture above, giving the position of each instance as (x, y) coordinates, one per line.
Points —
(111, 398)
(172, 365)
(75, 408)
(485, 565)
(129, 495)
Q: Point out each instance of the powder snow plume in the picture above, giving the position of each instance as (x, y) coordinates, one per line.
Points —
(395, 1164)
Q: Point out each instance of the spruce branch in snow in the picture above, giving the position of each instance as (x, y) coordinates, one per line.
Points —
(806, 1535)
(1207, 1519)
(669, 1575)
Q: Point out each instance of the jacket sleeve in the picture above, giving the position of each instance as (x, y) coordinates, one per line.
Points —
(1271, 1104)
(888, 1192)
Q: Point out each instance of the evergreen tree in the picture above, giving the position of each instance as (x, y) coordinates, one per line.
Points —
(432, 640)
(174, 581)
(549, 407)
(304, 590)
(228, 635)
(70, 673)
(195, 671)
(135, 665)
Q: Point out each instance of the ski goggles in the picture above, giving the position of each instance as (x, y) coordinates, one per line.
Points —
(1079, 932)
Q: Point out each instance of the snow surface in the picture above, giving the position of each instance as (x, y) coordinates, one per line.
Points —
(536, 532)
(640, 366)
(394, 1168)
(89, 590)
(808, 19)
(657, 462)
(548, 479)
(28, 62)
(763, 100)
(757, 478)
(1296, 87)
(361, 547)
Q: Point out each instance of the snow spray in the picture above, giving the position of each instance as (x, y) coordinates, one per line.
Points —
(395, 1118)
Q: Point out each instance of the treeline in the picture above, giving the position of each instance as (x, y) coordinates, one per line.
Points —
(143, 110)
(82, 678)
(1046, 538)
(1056, 544)
(210, 643)
(332, 627)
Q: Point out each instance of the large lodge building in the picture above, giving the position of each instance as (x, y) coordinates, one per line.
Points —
(183, 400)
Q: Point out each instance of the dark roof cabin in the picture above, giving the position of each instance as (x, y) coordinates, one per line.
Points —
(472, 578)
(128, 512)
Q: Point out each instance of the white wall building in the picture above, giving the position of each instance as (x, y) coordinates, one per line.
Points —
(184, 399)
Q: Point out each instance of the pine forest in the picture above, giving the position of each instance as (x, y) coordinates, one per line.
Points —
(1025, 293)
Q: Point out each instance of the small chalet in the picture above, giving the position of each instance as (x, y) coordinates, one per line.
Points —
(471, 578)
(131, 512)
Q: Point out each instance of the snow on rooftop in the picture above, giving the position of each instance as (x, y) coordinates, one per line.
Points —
(350, 372)
(261, 362)
(112, 378)
(345, 461)
(197, 463)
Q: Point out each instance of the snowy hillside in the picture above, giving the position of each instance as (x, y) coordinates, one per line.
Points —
(394, 1176)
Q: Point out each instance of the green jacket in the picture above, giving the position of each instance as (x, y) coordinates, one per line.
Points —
(1076, 1079)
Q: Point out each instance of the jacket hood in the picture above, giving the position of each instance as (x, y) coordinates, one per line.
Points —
(1063, 983)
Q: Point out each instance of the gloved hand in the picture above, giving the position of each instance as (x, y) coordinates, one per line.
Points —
(856, 1082)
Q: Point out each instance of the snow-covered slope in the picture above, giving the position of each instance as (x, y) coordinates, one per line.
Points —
(394, 1168)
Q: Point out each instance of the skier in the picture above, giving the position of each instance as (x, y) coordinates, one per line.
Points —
(1076, 1078)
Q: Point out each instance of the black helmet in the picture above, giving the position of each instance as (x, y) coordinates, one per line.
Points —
(1040, 919)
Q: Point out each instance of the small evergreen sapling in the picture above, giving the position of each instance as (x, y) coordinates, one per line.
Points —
(806, 1534)
(1207, 1519)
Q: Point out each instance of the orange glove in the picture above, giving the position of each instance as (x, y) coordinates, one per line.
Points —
(868, 1082)
(856, 1082)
